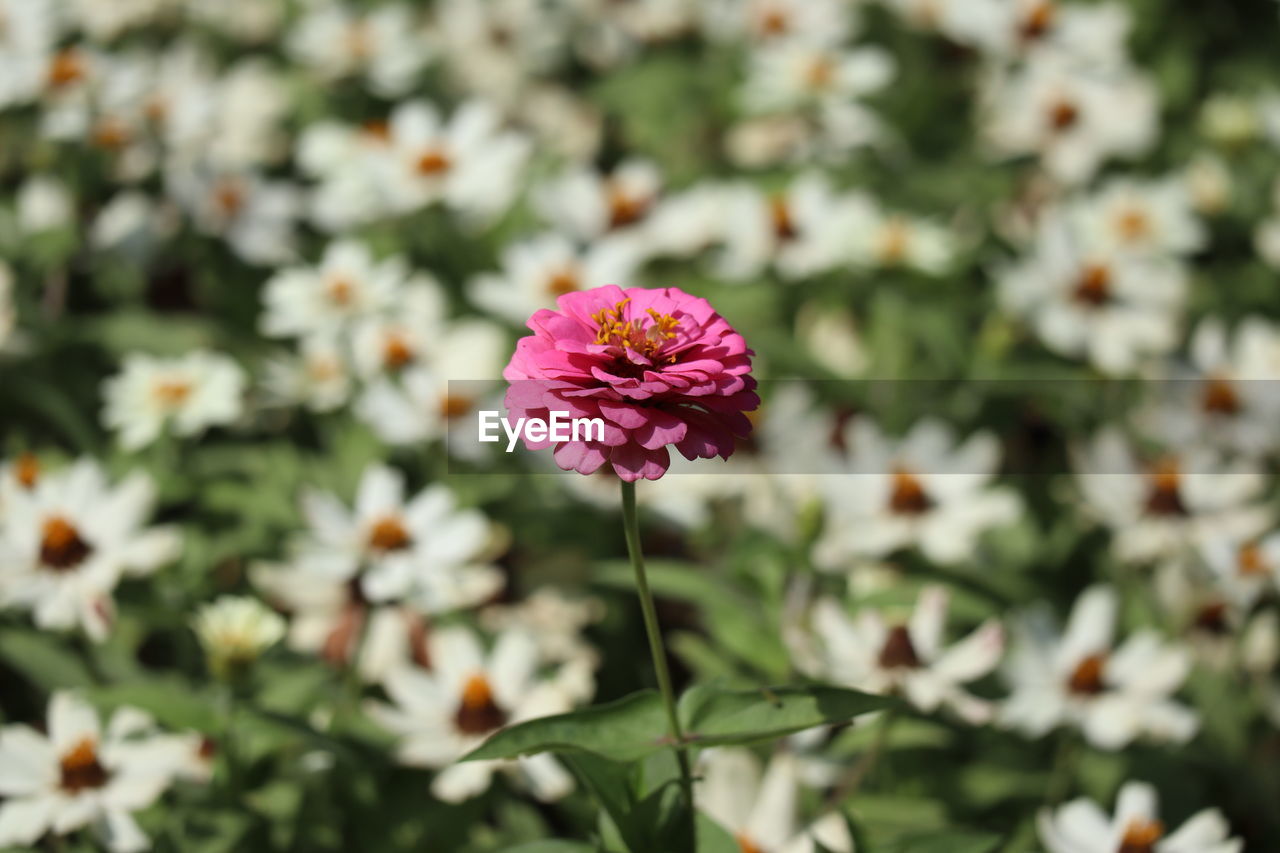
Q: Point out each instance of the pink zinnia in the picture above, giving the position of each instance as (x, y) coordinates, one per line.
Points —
(659, 367)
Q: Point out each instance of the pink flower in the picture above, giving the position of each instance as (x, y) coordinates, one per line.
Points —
(659, 367)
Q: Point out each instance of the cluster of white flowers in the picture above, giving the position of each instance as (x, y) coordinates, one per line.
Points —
(263, 225)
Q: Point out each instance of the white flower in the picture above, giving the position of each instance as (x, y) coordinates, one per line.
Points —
(760, 805)
(1243, 570)
(587, 206)
(8, 310)
(386, 45)
(236, 630)
(869, 652)
(1142, 217)
(68, 539)
(425, 549)
(27, 40)
(804, 230)
(537, 271)
(555, 622)
(1115, 693)
(1178, 501)
(435, 395)
(445, 712)
(255, 216)
(1081, 827)
(317, 376)
(1266, 241)
(1072, 118)
(1113, 310)
(333, 619)
(348, 284)
(1228, 399)
(924, 490)
(79, 775)
(1090, 35)
(788, 75)
(818, 22)
(469, 163)
(494, 48)
(878, 238)
(187, 394)
(43, 204)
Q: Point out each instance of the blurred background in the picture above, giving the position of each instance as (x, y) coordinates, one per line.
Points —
(1009, 270)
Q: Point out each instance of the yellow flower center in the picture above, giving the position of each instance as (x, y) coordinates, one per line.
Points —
(634, 334)
(1141, 835)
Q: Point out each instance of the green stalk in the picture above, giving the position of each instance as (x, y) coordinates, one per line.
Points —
(631, 524)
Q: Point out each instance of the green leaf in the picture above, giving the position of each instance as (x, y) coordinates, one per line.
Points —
(713, 716)
(626, 730)
(553, 846)
(43, 659)
(173, 703)
(946, 841)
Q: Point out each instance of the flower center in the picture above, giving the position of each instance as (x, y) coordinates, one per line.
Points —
(784, 227)
(1086, 678)
(774, 21)
(1220, 398)
(898, 651)
(228, 197)
(26, 470)
(433, 162)
(1141, 835)
(61, 547)
(1250, 561)
(1133, 225)
(388, 534)
(1063, 114)
(171, 393)
(820, 73)
(624, 208)
(1165, 498)
(340, 291)
(634, 334)
(1094, 286)
(396, 352)
(908, 496)
(66, 68)
(454, 406)
(1037, 24)
(746, 845)
(81, 769)
(477, 713)
(1212, 618)
(110, 133)
(564, 281)
(893, 241)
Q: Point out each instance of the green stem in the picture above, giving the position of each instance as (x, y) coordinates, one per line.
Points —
(631, 524)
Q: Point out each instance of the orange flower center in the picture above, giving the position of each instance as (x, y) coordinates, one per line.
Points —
(1063, 115)
(1251, 561)
(1165, 496)
(396, 352)
(61, 547)
(433, 162)
(894, 240)
(26, 470)
(229, 197)
(821, 73)
(908, 496)
(171, 393)
(454, 406)
(634, 334)
(110, 134)
(1141, 835)
(81, 769)
(478, 713)
(1094, 286)
(66, 68)
(1220, 398)
(388, 534)
(746, 845)
(1038, 22)
(1133, 225)
(563, 281)
(1086, 678)
(624, 208)
(898, 651)
(784, 227)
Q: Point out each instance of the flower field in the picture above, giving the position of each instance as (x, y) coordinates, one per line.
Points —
(926, 355)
